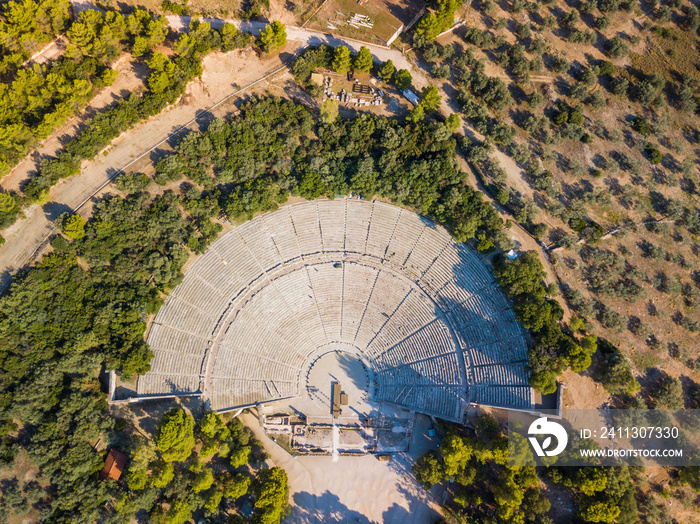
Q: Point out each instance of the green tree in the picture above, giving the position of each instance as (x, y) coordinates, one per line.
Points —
(8, 204)
(179, 513)
(576, 324)
(668, 393)
(175, 436)
(523, 275)
(363, 60)
(614, 371)
(236, 485)
(453, 121)
(212, 502)
(341, 60)
(136, 478)
(162, 474)
(214, 426)
(329, 111)
(600, 511)
(273, 37)
(239, 456)
(203, 481)
(272, 493)
(428, 27)
(386, 72)
(429, 470)
(430, 98)
(455, 454)
(416, 115)
(403, 79)
(73, 226)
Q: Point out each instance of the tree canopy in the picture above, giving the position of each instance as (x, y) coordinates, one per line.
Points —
(363, 60)
(341, 59)
(175, 437)
(273, 37)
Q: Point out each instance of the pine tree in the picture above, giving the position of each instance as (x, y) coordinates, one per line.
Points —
(387, 71)
(403, 79)
(273, 37)
(280, 33)
(428, 27)
(341, 60)
(175, 438)
(430, 97)
(363, 60)
(417, 114)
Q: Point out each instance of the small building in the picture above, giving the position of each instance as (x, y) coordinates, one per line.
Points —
(317, 78)
(114, 465)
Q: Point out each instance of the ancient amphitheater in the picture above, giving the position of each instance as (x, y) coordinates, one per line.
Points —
(278, 292)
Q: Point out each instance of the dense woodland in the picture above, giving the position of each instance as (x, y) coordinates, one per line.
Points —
(39, 98)
(97, 40)
(487, 490)
(132, 250)
(84, 305)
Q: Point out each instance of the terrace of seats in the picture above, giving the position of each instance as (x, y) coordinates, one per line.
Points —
(423, 310)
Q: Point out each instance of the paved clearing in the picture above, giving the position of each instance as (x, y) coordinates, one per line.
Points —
(356, 489)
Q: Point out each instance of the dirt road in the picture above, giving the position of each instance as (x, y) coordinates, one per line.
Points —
(130, 79)
(222, 76)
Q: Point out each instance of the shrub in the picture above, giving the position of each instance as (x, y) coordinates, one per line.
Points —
(668, 393)
(73, 226)
(610, 318)
(653, 154)
(132, 182)
(616, 47)
(614, 370)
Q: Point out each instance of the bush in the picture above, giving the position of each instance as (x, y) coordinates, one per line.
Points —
(641, 126)
(611, 319)
(132, 182)
(668, 393)
(440, 71)
(73, 226)
(614, 370)
(653, 154)
(539, 230)
(616, 47)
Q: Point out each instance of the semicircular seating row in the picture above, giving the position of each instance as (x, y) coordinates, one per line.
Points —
(424, 310)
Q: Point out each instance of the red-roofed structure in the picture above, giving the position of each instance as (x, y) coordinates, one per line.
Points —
(114, 465)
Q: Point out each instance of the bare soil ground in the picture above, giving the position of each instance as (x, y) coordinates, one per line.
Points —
(385, 18)
(676, 53)
(617, 151)
(289, 12)
(223, 8)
